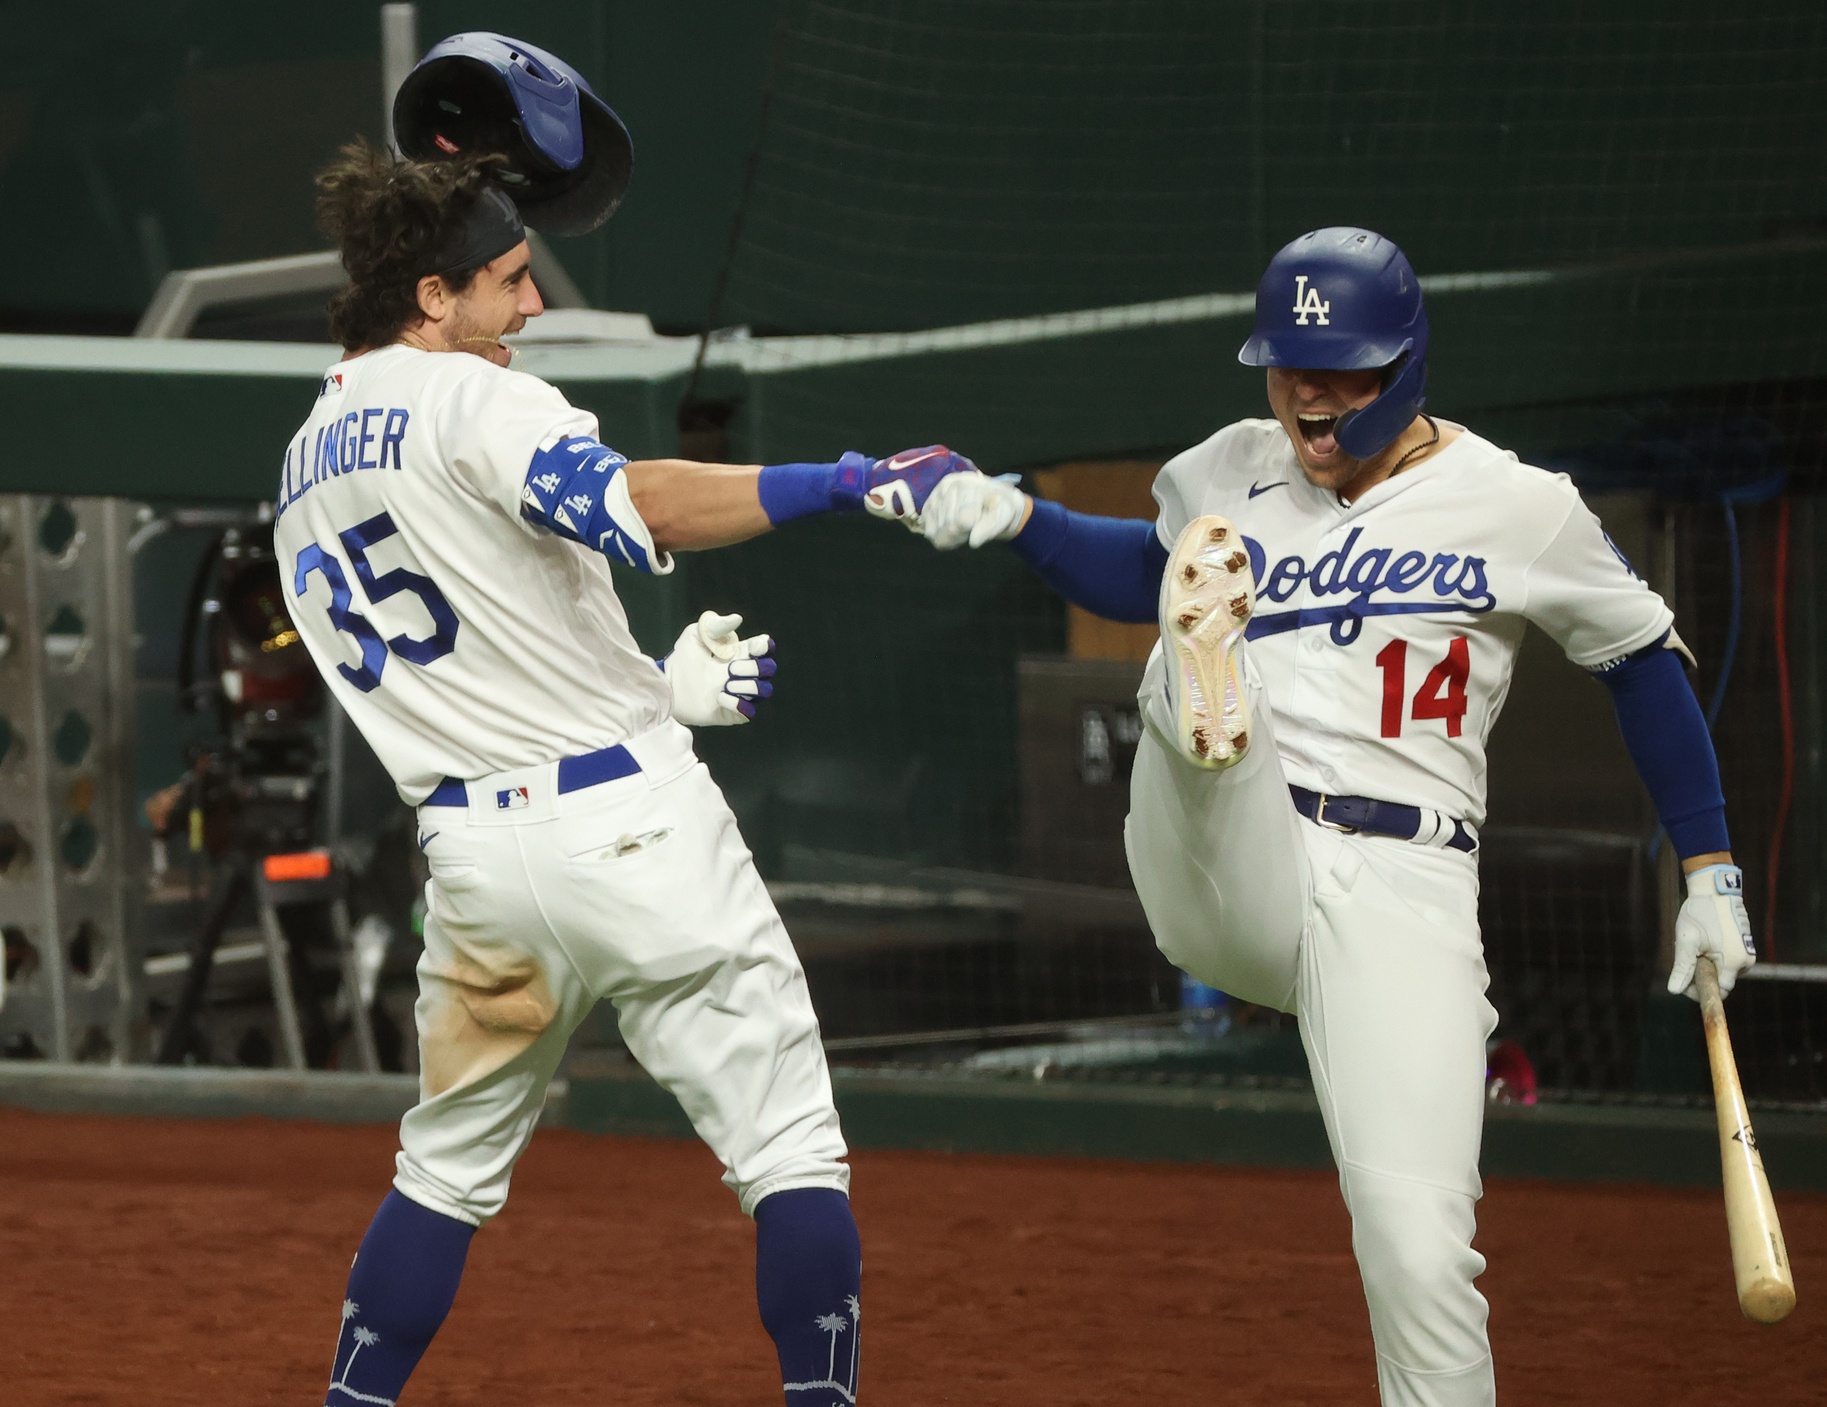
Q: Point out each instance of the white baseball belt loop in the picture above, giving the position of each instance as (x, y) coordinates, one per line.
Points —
(1434, 830)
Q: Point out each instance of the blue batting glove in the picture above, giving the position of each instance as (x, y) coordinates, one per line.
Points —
(899, 487)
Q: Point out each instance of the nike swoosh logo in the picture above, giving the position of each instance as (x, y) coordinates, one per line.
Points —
(1278, 484)
(425, 840)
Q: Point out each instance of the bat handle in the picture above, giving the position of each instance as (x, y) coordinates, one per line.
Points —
(1712, 1002)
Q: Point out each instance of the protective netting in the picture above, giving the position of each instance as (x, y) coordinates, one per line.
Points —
(950, 161)
(1030, 228)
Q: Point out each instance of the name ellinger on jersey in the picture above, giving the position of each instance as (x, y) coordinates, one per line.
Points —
(1459, 583)
(345, 445)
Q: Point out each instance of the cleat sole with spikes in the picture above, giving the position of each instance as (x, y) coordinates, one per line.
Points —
(1207, 595)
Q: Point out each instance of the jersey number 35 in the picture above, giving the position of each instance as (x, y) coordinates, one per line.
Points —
(356, 542)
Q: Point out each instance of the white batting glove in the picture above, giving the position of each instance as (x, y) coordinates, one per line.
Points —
(972, 508)
(1712, 923)
(717, 678)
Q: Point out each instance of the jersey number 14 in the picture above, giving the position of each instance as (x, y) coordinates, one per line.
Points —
(356, 542)
(1441, 695)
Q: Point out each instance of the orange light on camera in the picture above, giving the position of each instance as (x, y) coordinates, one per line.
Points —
(304, 864)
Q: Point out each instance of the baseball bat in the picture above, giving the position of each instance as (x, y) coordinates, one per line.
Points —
(1766, 1286)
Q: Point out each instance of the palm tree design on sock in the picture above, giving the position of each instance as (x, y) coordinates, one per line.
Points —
(834, 1325)
(364, 1337)
(856, 1339)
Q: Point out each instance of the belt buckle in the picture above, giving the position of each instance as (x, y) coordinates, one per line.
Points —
(1319, 818)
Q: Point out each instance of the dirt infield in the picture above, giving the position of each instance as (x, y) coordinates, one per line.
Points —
(154, 1262)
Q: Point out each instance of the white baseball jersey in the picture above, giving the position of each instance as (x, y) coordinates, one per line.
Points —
(1386, 631)
(420, 510)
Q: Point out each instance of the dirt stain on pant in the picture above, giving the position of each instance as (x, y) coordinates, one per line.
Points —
(480, 1005)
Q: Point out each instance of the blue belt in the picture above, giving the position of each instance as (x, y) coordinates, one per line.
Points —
(1362, 813)
(574, 774)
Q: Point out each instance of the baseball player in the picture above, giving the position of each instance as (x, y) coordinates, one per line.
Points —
(1341, 590)
(445, 531)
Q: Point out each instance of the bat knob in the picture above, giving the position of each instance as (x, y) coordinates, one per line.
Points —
(1768, 1300)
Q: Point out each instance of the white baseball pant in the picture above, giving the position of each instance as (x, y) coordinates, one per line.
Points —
(638, 890)
(1373, 943)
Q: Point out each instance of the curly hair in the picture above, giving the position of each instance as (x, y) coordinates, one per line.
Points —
(389, 217)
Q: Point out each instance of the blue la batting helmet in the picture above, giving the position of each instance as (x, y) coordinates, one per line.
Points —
(1345, 299)
(568, 155)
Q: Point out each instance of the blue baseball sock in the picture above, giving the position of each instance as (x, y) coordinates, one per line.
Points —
(400, 1288)
(808, 1276)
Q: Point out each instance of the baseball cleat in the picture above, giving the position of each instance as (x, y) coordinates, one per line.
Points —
(1207, 596)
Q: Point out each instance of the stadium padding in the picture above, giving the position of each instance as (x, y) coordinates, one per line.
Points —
(1674, 1147)
(945, 1113)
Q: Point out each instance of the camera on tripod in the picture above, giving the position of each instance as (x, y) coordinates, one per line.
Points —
(255, 782)
(248, 814)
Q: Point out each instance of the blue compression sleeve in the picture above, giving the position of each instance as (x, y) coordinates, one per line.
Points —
(1110, 566)
(1667, 737)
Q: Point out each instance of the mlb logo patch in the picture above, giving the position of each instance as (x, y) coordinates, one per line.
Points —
(513, 799)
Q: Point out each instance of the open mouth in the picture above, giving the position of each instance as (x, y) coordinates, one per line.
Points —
(1319, 432)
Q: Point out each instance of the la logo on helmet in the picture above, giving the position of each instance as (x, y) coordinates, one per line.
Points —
(1307, 303)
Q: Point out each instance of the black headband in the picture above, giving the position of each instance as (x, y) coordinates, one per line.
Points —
(488, 230)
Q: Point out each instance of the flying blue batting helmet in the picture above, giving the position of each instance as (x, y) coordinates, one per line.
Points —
(568, 155)
(1345, 299)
